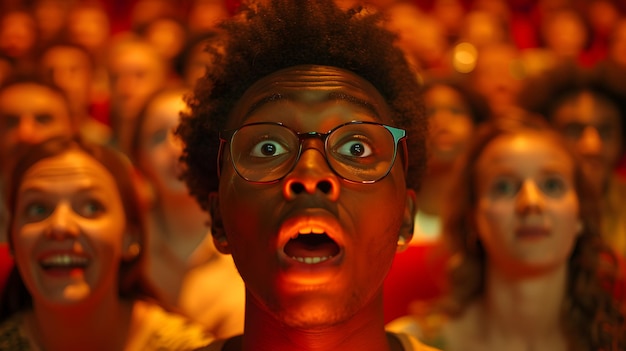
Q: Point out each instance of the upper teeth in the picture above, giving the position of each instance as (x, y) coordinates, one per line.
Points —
(311, 260)
(311, 230)
(64, 260)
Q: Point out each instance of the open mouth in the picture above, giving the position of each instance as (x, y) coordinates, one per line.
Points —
(64, 261)
(531, 232)
(311, 246)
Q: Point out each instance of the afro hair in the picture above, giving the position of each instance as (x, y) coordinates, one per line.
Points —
(277, 34)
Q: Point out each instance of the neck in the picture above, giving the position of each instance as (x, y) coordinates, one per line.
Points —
(527, 308)
(363, 331)
(103, 325)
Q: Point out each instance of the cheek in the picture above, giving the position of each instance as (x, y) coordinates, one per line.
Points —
(566, 214)
(58, 127)
(465, 130)
(377, 216)
(105, 234)
(24, 240)
(154, 161)
(160, 159)
(613, 149)
(493, 221)
(247, 210)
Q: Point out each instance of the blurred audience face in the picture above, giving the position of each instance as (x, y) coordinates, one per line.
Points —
(167, 36)
(159, 150)
(564, 34)
(592, 125)
(71, 69)
(450, 123)
(482, 28)
(50, 16)
(17, 34)
(68, 229)
(421, 37)
(602, 16)
(527, 212)
(498, 76)
(29, 114)
(136, 72)
(88, 25)
(449, 13)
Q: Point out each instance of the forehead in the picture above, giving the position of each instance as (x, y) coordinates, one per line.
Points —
(311, 88)
(73, 167)
(64, 55)
(526, 152)
(587, 108)
(134, 55)
(29, 97)
(167, 104)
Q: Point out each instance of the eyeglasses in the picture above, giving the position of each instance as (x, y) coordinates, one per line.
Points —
(358, 151)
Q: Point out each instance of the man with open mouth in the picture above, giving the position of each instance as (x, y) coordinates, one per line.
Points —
(305, 142)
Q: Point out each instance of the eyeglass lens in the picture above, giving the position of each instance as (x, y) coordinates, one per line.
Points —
(266, 152)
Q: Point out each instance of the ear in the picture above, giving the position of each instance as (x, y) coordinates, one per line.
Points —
(217, 227)
(131, 246)
(408, 220)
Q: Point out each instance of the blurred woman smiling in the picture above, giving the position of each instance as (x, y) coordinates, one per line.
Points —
(77, 233)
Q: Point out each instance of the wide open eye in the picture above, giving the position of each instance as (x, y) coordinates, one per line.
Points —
(553, 186)
(268, 148)
(355, 147)
(90, 208)
(262, 142)
(505, 187)
(37, 211)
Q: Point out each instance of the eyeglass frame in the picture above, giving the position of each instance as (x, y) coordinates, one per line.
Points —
(398, 135)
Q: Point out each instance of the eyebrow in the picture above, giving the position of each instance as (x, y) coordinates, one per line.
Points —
(332, 96)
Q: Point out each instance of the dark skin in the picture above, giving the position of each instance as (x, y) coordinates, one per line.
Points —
(335, 304)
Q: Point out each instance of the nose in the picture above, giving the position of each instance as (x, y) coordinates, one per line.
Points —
(61, 223)
(590, 142)
(529, 198)
(310, 175)
(26, 130)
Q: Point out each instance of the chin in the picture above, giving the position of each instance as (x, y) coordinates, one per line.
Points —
(314, 318)
(312, 313)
